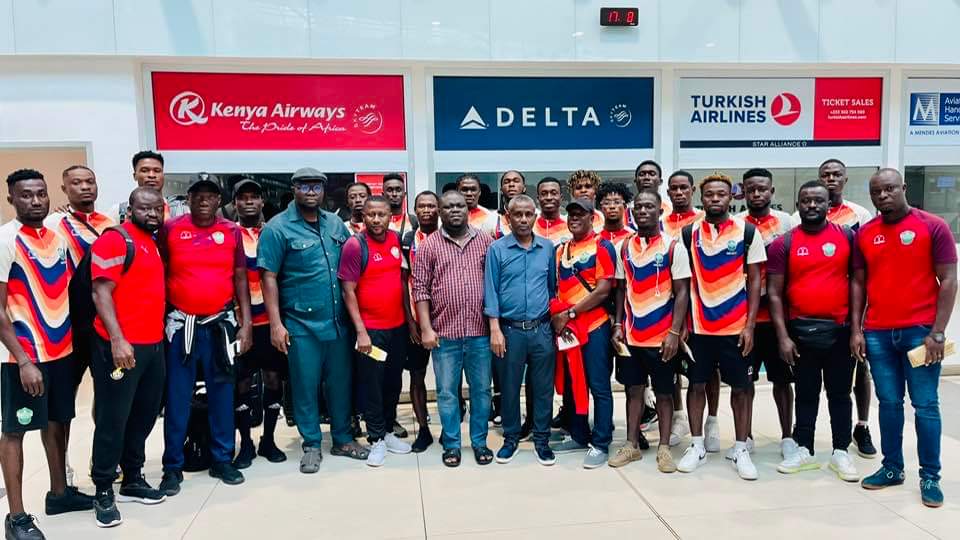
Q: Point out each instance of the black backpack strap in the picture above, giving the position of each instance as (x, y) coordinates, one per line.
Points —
(787, 243)
(131, 247)
(749, 231)
(849, 233)
(364, 250)
(686, 234)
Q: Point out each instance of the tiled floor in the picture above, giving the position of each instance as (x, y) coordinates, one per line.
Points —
(417, 497)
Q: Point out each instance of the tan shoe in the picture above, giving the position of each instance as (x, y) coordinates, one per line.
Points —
(665, 463)
(626, 454)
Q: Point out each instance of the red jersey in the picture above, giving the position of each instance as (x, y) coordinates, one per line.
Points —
(593, 259)
(258, 310)
(900, 260)
(769, 227)
(616, 237)
(817, 262)
(200, 263)
(379, 285)
(674, 222)
(138, 298)
(79, 229)
(554, 230)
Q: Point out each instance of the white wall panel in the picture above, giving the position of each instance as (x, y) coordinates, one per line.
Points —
(639, 44)
(926, 31)
(164, 27)
(355, 29)
(63, 26)
(444, 30)
(515, 36)
(779, 30)
(697, 31)
(857, 30)
(6, 27)
(261, 28)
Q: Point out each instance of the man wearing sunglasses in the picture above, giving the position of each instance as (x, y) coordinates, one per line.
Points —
(298, 255)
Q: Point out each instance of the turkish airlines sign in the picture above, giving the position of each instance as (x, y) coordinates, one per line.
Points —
(779, 113)
(250, 111)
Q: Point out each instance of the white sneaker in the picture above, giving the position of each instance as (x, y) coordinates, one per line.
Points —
(711, 436)
(842, 464)
(692, 459)
(733, 449)
(679, 429)
(70, 476)
(788, 447)
(378, 453)
(395, 445)
(744, 465)
(799, 461)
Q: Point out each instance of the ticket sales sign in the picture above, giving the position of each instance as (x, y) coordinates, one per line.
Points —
(255, 111)
(779, 113)
(933, 117)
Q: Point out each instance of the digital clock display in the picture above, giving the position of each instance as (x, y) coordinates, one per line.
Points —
(619, 16)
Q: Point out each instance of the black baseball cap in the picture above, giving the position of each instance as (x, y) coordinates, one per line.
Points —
(247, 184)
(581, 203)
(204, 179)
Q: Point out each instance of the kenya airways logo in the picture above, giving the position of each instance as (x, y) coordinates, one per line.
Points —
(785, 108)
(188, 108)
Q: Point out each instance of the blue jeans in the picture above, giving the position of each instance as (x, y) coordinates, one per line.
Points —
(887, 353)
(452, 359)
(598, 367)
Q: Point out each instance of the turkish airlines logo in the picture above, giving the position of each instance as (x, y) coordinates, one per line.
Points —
(188, 108)
(785, 108)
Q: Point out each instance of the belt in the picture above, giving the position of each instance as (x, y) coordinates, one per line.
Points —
(532, 324)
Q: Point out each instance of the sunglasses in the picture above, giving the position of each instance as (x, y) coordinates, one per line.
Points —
(310, 188)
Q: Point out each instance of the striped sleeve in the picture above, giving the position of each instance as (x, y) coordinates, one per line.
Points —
(106, 257)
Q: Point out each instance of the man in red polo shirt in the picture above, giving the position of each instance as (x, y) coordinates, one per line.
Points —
(374, 290)
(206, 273)
(128, 365)
(905, 272)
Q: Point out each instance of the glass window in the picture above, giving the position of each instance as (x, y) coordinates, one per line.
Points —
(490, 183)
(934, 189)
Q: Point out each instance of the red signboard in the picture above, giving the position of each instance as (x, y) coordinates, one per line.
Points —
(252, 111)
(847, 109)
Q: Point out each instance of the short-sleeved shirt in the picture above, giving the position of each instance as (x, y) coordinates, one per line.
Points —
(555, 230)
(306, 256)
(769, 227)
(483, 219)
(718, 290)
(665, 208)
(649, 266)
(201, 263)
(355, 228)
(79, 229)
(36, 266)
(816, 272)
(674, 222)
(379, 285)
(401, 223)
(900, 260)
(518, 282)
(139, 295)
(450, 277)
(846, 214)
(592, 259)
(258, 309)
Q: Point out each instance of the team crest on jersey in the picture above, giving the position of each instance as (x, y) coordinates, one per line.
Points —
(24, 416)
(658, 260)
(879, 240)
(907, 237)
(829, 249)
(62, 254)
(584, 257)
(731, 248)
(218, 237)
(395, 252)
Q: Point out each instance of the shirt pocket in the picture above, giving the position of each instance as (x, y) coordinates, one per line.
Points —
(304, 251)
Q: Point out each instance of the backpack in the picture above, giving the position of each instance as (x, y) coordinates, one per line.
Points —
(365, 249)
(80, 289)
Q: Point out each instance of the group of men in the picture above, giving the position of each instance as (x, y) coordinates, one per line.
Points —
(625, 283)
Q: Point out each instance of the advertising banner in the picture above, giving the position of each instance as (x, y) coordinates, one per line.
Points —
(251, 111)
(779, 113)
(542, 113)
(933, 116)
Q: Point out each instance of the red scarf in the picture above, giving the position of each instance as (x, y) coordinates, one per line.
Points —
(574, 357)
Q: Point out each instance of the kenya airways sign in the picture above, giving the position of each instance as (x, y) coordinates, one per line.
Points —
(246, 111)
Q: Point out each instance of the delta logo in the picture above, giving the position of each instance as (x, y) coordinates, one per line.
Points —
(619, 116)
(784, 109)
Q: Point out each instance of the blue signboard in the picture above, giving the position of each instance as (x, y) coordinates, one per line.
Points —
(542, 113)
(934, 109)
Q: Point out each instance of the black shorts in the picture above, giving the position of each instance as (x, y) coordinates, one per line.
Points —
(417, 358)
(22, 412)
(644, 363)
(82, 354)
(718, 352)
(766, 352)
(262, 355)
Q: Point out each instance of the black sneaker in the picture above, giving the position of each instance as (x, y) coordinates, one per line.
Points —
(544, 454)
(648, 417)
(507, 451)
(227, 473)
(170, 483)
(422, 442)
(865, 447)
(526, 430)
(246, 455)
(642, 442)
(269, 450)
(71, 501)
(399, 431)
(138, 490)
(22, 526)
(557, 421)
(105, 510)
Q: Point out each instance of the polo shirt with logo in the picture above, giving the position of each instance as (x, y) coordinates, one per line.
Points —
(593, 259)
(555, 230)
(379, 285)
(79, 229)
(139, 297)
(900, 260)
(649, 266)
(674, 222)
(200, 263)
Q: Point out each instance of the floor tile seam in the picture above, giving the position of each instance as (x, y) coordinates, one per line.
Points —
(200, 510)
(656, 514)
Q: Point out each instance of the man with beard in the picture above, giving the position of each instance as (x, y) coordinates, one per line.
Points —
(480, 218)
(356, 194)
(771, 224)
(148, 172)
(550, 223)
(395, 191)
(128, 366)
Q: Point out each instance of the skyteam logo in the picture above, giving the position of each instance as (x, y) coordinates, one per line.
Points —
(620, 115)
(925, 109)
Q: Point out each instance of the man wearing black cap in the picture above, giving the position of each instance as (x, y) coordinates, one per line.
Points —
(248, 201)
(299, 254)
(206, 279)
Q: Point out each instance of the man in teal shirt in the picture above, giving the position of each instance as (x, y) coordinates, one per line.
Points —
(299, 254)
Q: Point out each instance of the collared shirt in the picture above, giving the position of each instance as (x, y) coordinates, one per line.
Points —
(518, 282)
(201, 262)
(79, 229)
(305, 256)
(554, 230)
(450, 277)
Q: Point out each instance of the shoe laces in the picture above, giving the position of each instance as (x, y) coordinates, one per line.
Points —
(28, 522)
(594, 452)
(927, 483)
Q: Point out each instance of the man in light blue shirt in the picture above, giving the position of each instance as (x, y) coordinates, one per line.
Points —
(518, 282)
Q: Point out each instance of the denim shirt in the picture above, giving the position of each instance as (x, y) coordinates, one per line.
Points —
(305, 256)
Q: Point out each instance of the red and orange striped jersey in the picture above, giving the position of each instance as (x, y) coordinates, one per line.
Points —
(769, 227)
(649, 267)
(258, 310)
(79, 229)
(592, 259)
(554, 230)
(674, 222)
(483, 219)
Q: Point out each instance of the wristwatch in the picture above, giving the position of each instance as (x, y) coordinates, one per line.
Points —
(572, 313)
(938, 337)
